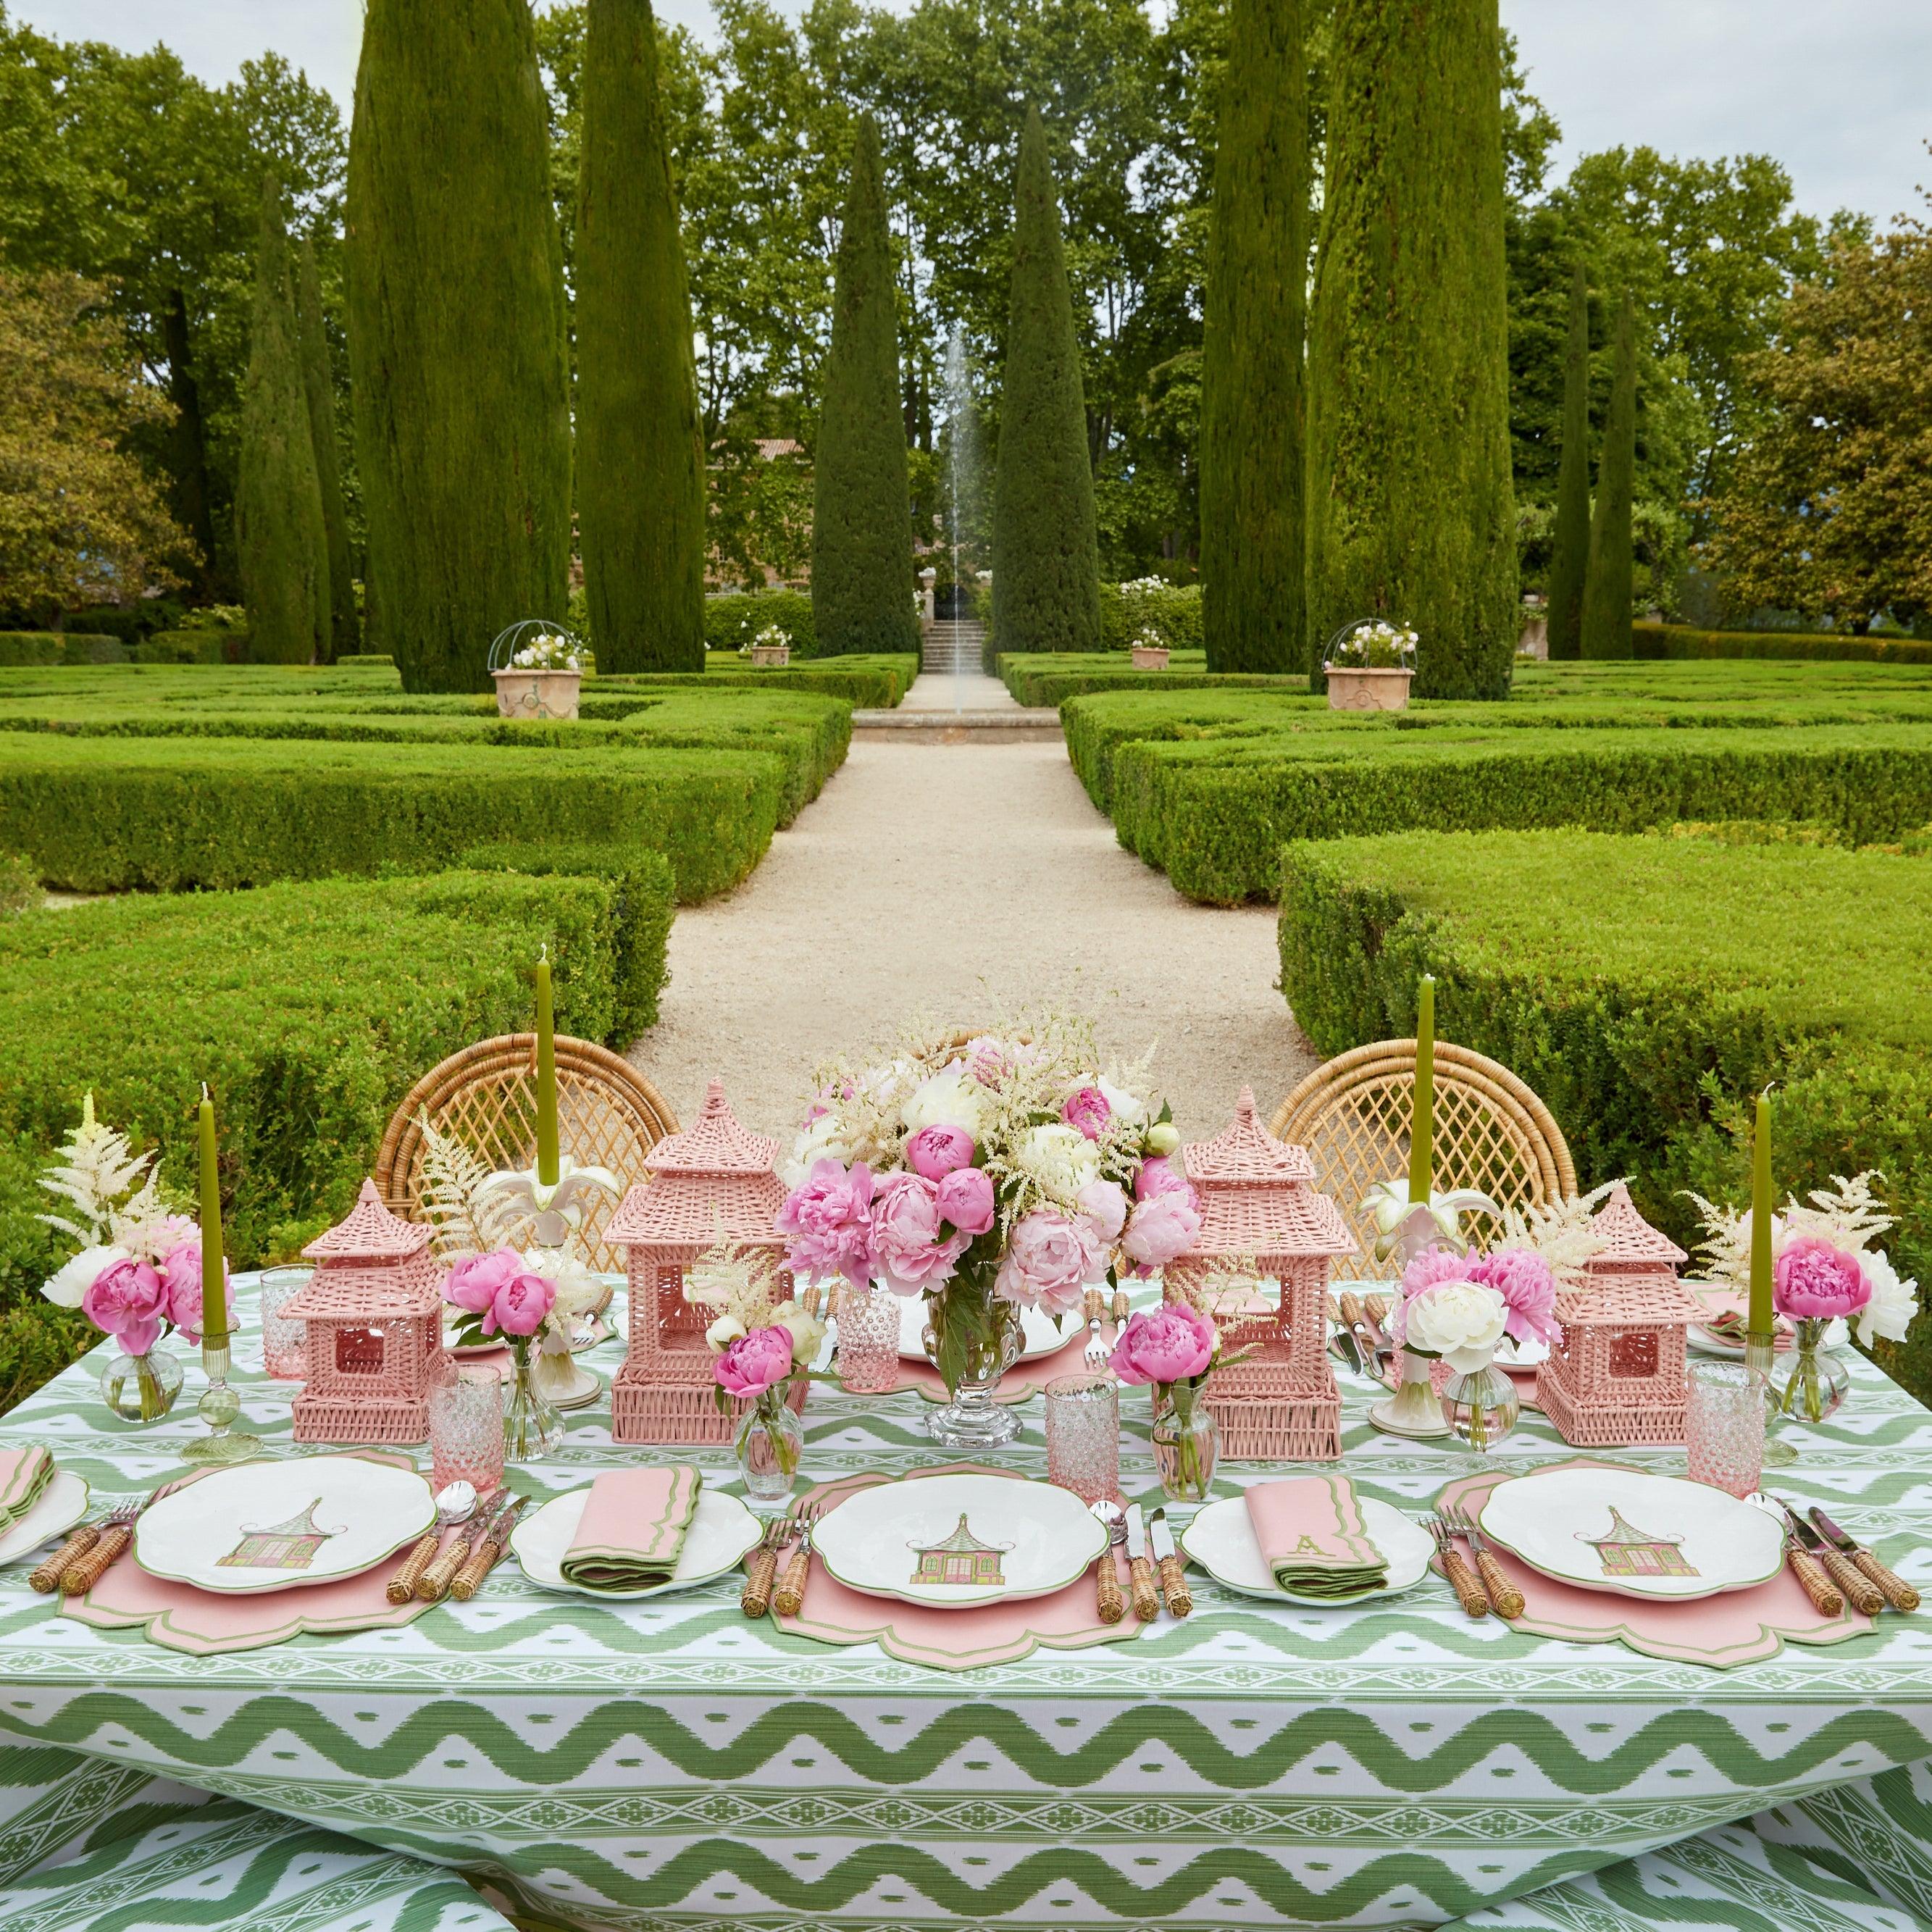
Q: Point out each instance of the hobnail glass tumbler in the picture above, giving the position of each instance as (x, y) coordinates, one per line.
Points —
(283, 1352)
(868, 1340)
(1083, 1436)
(466, 1429)
(1724, 1427)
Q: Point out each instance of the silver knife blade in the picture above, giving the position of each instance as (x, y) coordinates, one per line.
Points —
(1136, 1532)
(1346, 1347)
(1808, 1538)
(1830, 1531)
(1163, 1536)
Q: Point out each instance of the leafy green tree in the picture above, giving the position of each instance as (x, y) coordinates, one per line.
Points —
(345, 627)
(1411, 512)
(1606, 630)
(641, 460)
(861, 509)
(1251, 432)
(456, 335)
(280, 531)
(1569, 564)
(1046, 561)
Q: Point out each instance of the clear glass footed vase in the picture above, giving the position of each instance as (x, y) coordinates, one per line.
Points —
(532, 1425)
(1481, 1407)
(1186, 1446)
(1818, 1382)
(769, 1441)
(141, 1388)
(973, 1339)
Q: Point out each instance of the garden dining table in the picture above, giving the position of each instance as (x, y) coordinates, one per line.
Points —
(667, 1763)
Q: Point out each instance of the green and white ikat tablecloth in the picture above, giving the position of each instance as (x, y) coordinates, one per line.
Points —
(667, 1764)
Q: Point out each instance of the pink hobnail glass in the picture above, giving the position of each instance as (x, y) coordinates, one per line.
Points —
(868, 1340)
(284, 1350)
(466, 1429)
(1724, 1427)
(1083, 1435)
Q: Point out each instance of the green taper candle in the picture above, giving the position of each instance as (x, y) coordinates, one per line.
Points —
(1760, 1316)
(214, 1285)
(1422, 1125)
(547, 1168)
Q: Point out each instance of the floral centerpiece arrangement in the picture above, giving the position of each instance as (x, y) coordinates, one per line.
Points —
(1373, 645)
(991, 1175)
(774, 640)
(1175, 1348)
(136, 1275)
(1825, 1267)
(546, 651)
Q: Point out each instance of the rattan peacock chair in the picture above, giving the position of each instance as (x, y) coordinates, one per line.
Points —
(608, 1114)
(1352, 1115)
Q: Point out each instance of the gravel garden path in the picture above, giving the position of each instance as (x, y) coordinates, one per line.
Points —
(956, 880)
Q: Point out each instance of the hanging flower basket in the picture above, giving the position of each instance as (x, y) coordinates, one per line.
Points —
(539, 670)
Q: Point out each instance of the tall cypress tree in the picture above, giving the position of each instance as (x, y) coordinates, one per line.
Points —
(319, 388)
(640, 447)
(456, 334)
(279, 537)
(1046, 552)
(861, 502)
(1569, 566)
(1606, 596)
(1252, 534)
(1411, 513)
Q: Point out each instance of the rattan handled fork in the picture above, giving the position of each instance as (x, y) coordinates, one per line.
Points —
(1505, 1599)
(761, 1567)
(1469, 1592)
(82, 1574)
(789, 1598)
(46, 1578)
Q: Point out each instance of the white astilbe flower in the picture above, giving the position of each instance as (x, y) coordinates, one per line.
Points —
(736, 1282)
(1847, 1214)
(1563, 1232)
(94, 1171)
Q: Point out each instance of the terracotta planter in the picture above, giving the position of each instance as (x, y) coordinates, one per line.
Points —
(767, 655)
(537, 694)
(1149, 657)
(1357, 688)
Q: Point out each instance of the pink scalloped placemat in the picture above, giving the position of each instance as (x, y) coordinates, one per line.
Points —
(1739, 1627)
(952, 1639)
(179, 1617)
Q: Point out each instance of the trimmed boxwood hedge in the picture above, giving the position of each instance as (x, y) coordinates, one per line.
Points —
(58, 647)
(1675, 640)
(1644, 986)
(308, 1009)
(1049, 678)
(734, 618)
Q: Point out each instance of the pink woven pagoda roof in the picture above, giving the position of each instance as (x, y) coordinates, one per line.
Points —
(1629, 1240)
(1245, 1153)
(715, 1144)
(370, 1233)
(349, 1293)
(698, 1209)
(1627, 1301)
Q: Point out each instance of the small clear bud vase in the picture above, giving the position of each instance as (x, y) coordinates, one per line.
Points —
(532, 1425)
(1186, 1445)
(1480, 1408)
(770, 1441)
(1818, 1382)
(141, 1388)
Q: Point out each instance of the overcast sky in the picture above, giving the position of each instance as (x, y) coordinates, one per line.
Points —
(1837, 91)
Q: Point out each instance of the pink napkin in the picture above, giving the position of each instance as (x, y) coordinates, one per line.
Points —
(25, 1474)
(1309, 1528)
(633, 1527)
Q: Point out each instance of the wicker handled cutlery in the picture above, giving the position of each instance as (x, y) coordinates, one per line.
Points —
(1896, 1590)
(483, 1558)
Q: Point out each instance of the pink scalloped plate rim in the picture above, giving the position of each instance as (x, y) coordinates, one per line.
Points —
(1737, 1627)
(179, 1617)
(952, 1639)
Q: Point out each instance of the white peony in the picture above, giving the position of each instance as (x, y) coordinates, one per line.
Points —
(1061, 1159)
(722, 1333)
(825, 1139)
(1462, 1322)
(807, 1332)
(1129, 1109)
(65, 1286)
(948, 1099)
(1893, 1304)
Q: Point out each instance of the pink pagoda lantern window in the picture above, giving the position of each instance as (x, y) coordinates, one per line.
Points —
(1617, 1376)
(715, 1183)
(373, 1312)
(1259, 1202)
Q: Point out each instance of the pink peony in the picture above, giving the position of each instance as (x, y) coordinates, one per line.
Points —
(129, 1301)
(907, 1245)
(180, 1275)
(1103, 1203)
(1811, 1278)
(965, 1199)
(1172, 1343)
(1429, 1269)
(1049, 1262)
(830, 1221)
(520, 1305)
(1522, 1278)
(755, 1363)
(1086, 1107)
(1158, 1175)
(474, 1281)
(1163, 1225)
(935, 1152)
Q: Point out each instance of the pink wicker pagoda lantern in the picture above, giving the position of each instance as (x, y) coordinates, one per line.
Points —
(1617, 1375)
(373, 1312)
(713, 1183)
(1259, 1200)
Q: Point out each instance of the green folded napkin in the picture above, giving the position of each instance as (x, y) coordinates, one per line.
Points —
(25, 1474)
(1310, 1531)
(633, 1529)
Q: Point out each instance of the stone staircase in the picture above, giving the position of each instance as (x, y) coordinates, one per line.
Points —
(952, 646)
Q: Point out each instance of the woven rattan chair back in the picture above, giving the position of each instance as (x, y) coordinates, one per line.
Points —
(1352, 1115)
(608, 1115)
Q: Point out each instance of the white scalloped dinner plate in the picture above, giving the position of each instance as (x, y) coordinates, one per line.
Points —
(722, 1530)
(1221, 1539)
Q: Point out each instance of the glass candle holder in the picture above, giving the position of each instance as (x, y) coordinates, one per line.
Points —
(1724, 1427)
(466, 1429)
(1083, 1435)
(284, 1342)
(868, 1340)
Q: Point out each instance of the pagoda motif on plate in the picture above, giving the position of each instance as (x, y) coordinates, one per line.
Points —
(1258, 1200)
(373, 1312)
(1617, 1377)
(1625, 1552)
(714, 1183)
(960, 1558)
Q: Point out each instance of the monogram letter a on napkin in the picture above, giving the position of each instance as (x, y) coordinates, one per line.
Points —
(1310, 1531)
(633, 1527)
